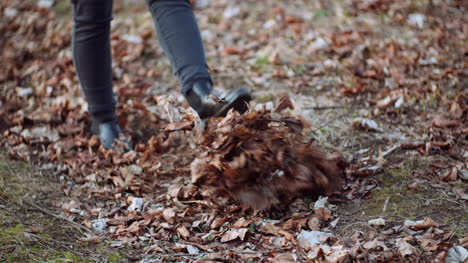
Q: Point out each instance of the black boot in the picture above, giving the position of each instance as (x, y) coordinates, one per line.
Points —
(108, 133)
(207, 103)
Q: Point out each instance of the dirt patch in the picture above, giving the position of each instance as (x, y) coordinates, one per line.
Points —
(28, 234)
(400, 196)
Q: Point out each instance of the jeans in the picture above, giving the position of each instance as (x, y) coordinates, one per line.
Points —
(177, 32)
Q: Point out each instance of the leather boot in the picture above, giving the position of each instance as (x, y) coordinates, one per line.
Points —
(208, 103)
(108, 132)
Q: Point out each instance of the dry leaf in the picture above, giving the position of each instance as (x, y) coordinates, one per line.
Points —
(179, 126)
(242, 222)
(421, 224)
(285, 258)
(375, 244)
(183, 231)
(450, 175)
(442, 122)
(41, 132)
(377, 222)
(457, 254)
(405, 248)
(366, 124)
(307, 239)
(234, 234)
(169, 215)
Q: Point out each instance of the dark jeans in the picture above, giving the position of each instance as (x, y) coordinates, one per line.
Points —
(177, 32)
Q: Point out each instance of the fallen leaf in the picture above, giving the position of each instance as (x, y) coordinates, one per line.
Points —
(421, 224)
(179, 126)
(375, 244)
(231, 51)
(429, 244)
(377, 222)
(442, 122)
(134, 228)
(314, 223)
(306, 239)
(406, 248)
(457, 254)
(169, 215)
(174, 190)
(366, 124)
(285, 258)
(450, 175)
(242, 222)
(269, 228)
(234, 234)
(41, 132)
(136, 204)
(183, 231)
(217, 222)
(284, 102)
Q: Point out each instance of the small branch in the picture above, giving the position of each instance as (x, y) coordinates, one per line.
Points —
(386, 204)
(340, 107)
(323, 126)
(205, 253)
(58, 216)
(201, 202)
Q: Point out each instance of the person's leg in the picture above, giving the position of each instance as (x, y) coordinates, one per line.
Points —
(92, 55)
(93, 63)
(180, 39)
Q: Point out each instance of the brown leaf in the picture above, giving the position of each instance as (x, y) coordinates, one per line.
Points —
(450, 175)
(285, 258)
(234, 234)
(429, 244)
(375, 244)
(134, 228)
(169, 215)
(442, 122)
(314, 223)
(269, 228)
(424, 224)
(174, 190)
(242, 222)
(217, 222)
(406, 248)
(179, 126)
(231, 51)
(183, 232)
(149, 217)
(323, 214)
(198, 169)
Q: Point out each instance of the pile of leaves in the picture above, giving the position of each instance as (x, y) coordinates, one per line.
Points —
(262, 159)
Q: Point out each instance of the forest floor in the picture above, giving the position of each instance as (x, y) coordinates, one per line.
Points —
(381, 83)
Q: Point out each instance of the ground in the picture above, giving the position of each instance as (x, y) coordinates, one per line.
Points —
(382, 84)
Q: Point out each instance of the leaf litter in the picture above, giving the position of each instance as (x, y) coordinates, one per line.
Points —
(184, 190)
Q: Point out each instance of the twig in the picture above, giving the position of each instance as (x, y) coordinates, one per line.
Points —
(205, 253)
(340, 107)
(58, 216)
(201, 202)
(326, 124)
(386, 204)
